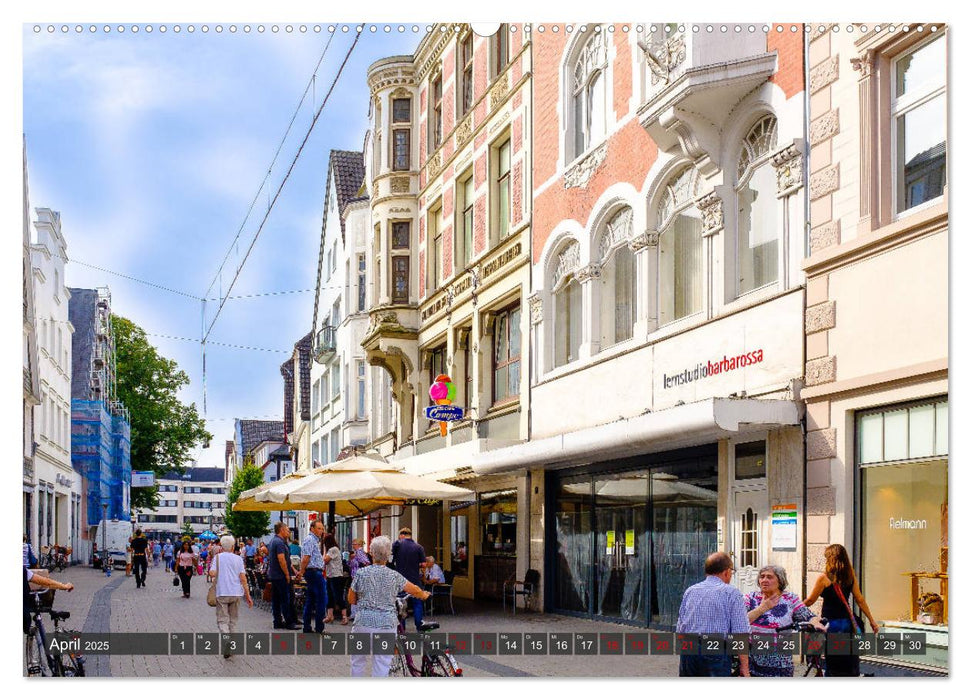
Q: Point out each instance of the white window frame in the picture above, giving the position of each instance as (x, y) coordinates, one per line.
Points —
(664, 228)
(900, 107)
(756, 159)
(587, 61)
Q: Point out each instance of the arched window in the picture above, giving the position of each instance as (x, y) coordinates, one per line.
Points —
(567, 307)
(758, 229)
(589, 94)
(679, 249)
(618, 280)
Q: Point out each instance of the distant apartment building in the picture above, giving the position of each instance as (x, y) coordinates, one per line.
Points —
(197, 497)
(57, 503)
(100, 424)
(877, 367)
(450, 182)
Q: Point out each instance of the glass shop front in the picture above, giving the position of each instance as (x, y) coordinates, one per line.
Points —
(628, 537)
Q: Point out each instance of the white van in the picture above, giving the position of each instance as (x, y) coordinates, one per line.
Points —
(114, 534)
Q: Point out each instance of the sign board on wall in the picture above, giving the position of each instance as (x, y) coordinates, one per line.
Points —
(142, 479)
(784, 527)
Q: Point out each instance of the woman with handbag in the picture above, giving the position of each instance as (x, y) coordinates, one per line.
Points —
(185, 566)
(835, 586)
(229, 585)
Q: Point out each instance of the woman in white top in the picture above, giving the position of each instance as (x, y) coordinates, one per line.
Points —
(229, 572)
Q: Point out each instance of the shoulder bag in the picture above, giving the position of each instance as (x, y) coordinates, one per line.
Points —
(211, 595)
(855, 620)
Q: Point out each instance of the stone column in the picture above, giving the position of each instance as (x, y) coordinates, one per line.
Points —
(590, 341)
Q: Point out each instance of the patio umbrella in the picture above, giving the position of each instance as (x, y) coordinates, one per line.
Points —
(208, 535)
(356, 485)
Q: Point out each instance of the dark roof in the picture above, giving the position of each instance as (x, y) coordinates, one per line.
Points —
(198, 474)
(256, 431)
(348, 174)
(936, 152)
(286, 369)
(303, 352)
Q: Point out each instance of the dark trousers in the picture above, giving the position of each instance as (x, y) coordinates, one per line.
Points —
(315, 604)
(418, 610)
(335, 593)
(185, 576)
(139, 565)
(704, 666)
(836, 665)
(282, 602)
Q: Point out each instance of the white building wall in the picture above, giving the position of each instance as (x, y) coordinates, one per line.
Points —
(58, 494)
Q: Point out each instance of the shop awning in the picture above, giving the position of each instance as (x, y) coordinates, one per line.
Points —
(680, 426)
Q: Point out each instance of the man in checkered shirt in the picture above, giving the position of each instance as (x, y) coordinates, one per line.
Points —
(713, 606)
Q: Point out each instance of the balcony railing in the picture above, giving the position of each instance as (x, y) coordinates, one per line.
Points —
(326, 344)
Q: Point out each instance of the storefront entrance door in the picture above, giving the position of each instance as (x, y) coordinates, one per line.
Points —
(749, 535)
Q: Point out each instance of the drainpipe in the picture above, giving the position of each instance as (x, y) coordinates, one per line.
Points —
(807, 253)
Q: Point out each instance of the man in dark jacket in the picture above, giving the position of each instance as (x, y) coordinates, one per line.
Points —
(408, 557)
(279, 571)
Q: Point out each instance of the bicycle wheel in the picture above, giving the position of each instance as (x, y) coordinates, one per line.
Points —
(398, 666)
(443, 665)
(34, 658)
(71, 666)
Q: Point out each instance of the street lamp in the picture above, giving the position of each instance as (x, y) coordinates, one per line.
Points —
(104, 537)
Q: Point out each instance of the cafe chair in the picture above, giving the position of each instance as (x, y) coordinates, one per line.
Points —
(527, 588)
(442, 590)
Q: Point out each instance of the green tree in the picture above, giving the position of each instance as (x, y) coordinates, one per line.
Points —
(246, 523)
(163, 429)
(187, 530)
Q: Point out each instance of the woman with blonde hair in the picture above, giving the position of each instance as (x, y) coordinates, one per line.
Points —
(835, 585)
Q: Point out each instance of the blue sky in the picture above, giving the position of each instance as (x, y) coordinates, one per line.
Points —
(152, 147)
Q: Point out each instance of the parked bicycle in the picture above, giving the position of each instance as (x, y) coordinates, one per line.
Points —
(53, 558)
(40, 661)
(404, 664)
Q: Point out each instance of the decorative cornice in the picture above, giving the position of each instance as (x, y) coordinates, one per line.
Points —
(712, 216)
(430, 59)
(400, 75)
(581, 173)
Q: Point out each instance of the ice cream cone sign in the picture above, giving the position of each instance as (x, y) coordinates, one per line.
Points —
(442, 392)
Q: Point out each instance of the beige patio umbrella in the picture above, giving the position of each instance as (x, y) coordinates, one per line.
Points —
(356, 485)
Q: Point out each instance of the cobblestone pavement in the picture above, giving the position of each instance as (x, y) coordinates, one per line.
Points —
(160, 607)
(113, 604)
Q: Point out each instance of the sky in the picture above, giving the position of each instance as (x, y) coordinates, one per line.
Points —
(153, 146)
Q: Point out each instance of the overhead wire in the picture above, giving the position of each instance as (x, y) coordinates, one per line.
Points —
(310, 85)
(283, 183)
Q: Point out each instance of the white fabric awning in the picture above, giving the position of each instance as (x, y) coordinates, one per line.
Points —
(681, 426)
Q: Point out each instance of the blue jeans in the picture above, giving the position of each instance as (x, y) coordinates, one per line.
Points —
(841, 665)
(418, 609)
(316, 600)
(282, 603)
(696, 666)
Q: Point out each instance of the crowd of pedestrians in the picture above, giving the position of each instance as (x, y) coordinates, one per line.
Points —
(715, 607)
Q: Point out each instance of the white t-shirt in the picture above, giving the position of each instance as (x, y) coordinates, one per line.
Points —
(229, 566)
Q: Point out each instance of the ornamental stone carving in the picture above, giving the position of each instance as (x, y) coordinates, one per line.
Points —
(568, 262)
(499, 90)
(826, 73)
(434, 165)
(712, 216)
(662, 56)
(400, 185)
(590, 272)
(581, 173)
(863, 64)
(618, 230)
(463, 131)
(824, 182)
(648, 239)
(788, 170)
(535, 309)
(824, 127)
